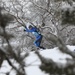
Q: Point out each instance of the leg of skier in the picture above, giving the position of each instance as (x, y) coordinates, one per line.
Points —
(38, 42)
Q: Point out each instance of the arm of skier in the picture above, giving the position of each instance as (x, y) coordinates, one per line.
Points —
(28, 30)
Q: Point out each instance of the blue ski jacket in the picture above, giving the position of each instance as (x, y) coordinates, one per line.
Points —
(34, 31)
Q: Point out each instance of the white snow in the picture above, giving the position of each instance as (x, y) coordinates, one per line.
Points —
(33, 62)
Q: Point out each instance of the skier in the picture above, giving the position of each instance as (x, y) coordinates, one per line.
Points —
(37, 35)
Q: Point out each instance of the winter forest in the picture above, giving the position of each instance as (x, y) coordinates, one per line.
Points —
(56, 22)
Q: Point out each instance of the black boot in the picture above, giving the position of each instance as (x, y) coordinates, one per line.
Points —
(42, 47)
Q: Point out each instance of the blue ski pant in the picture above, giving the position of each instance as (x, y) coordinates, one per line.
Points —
(38, 40)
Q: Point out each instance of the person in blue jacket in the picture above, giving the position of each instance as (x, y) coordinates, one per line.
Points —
(37, 35)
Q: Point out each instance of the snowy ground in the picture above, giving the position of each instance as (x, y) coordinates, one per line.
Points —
(33, 61)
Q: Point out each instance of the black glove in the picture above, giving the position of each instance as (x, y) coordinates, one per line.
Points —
(24, 30)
